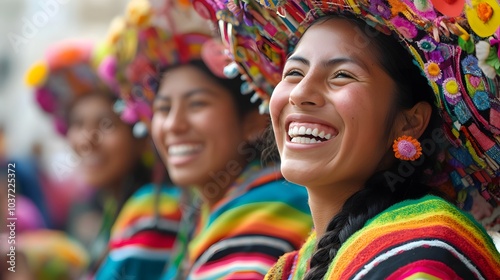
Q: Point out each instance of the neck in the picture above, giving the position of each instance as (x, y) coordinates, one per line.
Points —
(211, 194)
(325, 203)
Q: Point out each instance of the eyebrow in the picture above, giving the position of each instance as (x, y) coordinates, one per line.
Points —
(187, 94)
(331, 62)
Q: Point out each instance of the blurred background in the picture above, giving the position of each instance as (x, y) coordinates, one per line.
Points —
(45, 164)
(28, 27)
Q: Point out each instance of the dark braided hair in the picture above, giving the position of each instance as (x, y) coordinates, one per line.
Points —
(379, 192)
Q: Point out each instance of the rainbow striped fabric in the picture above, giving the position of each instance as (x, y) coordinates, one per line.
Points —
(143, 235)
(260, 218)
(427, 238)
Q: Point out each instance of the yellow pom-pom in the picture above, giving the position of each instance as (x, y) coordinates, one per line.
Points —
(37, 74)
(139, 12)
(452, 86)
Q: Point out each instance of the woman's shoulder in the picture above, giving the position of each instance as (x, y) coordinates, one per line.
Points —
(265, 186)
(426, 234)
(149, 205)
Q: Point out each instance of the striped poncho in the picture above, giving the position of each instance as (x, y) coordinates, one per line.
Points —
(427, 238)
(143, 235)
(260, 218)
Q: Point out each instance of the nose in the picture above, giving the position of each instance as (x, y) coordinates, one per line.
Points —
(176, 121)
(86, 139)
(307, 93)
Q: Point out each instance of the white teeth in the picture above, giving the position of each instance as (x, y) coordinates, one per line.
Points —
(315, 132)
(183, 149)
(297, 134)
(302, 130)
(303, 140)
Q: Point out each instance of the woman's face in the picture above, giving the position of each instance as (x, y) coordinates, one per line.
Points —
(105, 145)
(196, 129)
(329, 112)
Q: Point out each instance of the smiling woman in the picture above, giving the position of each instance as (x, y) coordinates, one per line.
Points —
(366, 89)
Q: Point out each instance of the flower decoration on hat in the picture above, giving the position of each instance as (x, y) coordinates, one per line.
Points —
(66, 73)
(456, 44)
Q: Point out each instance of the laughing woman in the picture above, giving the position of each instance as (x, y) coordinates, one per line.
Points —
(242, 215)
(367, 94)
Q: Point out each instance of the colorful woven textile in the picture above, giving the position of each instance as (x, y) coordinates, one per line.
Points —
(143, 235)
(260, 218)
(426, 238)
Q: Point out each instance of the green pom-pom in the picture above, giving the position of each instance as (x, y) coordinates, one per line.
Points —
(467, 46)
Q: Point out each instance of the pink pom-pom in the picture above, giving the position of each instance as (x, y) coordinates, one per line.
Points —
(129, 115)
(107, 71)
(45, 99)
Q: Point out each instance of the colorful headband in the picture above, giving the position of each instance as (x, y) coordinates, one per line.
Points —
(65, 74)
(456, 44)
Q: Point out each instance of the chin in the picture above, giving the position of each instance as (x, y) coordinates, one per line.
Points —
(293, 173)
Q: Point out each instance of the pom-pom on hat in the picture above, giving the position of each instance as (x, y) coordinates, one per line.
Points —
(456, 44)
(65, 73)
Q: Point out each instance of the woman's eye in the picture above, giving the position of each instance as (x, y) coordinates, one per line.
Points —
(161, 108)
(342, 74)
(197, 104)
(293, 73)
(77, 123)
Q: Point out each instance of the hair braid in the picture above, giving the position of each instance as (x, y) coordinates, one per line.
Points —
(356, 211)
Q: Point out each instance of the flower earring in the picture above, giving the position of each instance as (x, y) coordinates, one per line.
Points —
(407, 148)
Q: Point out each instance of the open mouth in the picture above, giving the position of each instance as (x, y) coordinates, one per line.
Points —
(184, 149)
(306, 133)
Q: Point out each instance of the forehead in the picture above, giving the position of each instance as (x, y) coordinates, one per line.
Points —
(336, 36)
(91, 104)
(185, 79)
(94, 108)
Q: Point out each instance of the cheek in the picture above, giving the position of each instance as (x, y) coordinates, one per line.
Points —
(75, 140)
(71, 136)
(279, 99)
(121, 145)
(156, 132)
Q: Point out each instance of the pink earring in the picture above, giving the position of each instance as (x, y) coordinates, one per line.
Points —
(407, 148)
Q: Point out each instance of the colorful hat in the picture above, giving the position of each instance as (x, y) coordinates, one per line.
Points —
(65, 74)
(456, 44)
(140, 49)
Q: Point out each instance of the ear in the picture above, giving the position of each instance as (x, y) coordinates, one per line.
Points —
(254, 125)
(414, 121)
